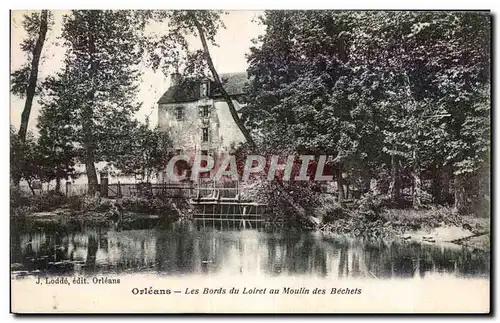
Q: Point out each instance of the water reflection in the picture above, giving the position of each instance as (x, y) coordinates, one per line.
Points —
(180, 248)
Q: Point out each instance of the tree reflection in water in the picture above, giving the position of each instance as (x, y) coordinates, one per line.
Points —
(181, 248)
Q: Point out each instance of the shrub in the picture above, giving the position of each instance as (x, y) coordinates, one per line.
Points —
(75, 203)
(48, 201)
(87, 203)
(160, 206)
(22, 211)
(334, 212)
(369, 206)
(18, 198)
(103, 205)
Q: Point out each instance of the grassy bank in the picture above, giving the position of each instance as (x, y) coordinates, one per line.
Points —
(369, 217)
(372, 219)
(51, 205)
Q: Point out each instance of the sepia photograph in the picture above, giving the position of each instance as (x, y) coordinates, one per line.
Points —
(238, 161)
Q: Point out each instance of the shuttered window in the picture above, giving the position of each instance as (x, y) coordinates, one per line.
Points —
(204, 135)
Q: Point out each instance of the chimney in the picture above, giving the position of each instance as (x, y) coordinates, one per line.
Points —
(175, 79)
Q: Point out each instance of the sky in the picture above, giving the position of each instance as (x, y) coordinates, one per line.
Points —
(234, 43)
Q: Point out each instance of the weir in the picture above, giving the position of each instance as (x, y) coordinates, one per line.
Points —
(223, 207)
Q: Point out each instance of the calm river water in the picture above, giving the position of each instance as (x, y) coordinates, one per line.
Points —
(181, 249)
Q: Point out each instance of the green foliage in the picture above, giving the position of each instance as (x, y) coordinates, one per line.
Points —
(18, 198)
(45, 159)
(170, 51)
(334, 212)
(31, 24)
(48, 201)
(23, 158)
(91, 102)
(156, 206)
(139, 149)
(363, 87)
(101, 100)
(56, 154)
(21, 203)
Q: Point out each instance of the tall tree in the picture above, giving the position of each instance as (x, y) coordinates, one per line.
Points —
(98, 84)
(56, 142)
(434, 68)
(373, 89)
(24, 80)
(303, 93)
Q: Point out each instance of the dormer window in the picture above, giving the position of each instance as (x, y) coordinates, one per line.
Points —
(204, 89)
(179, 113)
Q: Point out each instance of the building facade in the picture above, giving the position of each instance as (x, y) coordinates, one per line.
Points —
(197, 118)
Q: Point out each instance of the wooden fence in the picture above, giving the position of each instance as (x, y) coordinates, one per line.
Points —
(119, 190)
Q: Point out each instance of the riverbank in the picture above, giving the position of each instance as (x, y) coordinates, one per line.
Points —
(432, 225)
(365, 219)
(54, 206)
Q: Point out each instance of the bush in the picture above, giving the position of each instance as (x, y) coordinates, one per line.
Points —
(75, 203)
(370, 206)
(18, 198)
(280, 210)
(22, 211)
(86, 203)
(424, 218)
(140, 205)
(103, 205)
(48, 201)
(137, 205)
(334, 212)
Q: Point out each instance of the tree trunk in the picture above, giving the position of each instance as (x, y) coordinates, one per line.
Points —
(58, 184)
(417, 190)
(31, 187)
(87, 116)
(417, 182)
(218, 81)
(436, 185)
(31, 88)
(445, 186)
(460, 196)
(90, 169)
(395, 185)
(340, 185)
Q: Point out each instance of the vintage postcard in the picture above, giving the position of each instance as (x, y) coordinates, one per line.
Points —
(279, 161)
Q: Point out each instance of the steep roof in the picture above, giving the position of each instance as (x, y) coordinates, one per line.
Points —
(189, 89)
(186, 91)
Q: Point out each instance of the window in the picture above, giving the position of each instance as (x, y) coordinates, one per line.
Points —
(204, 111)
(179, 113)
(178, 151)
(204, 135)
(204, 89)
